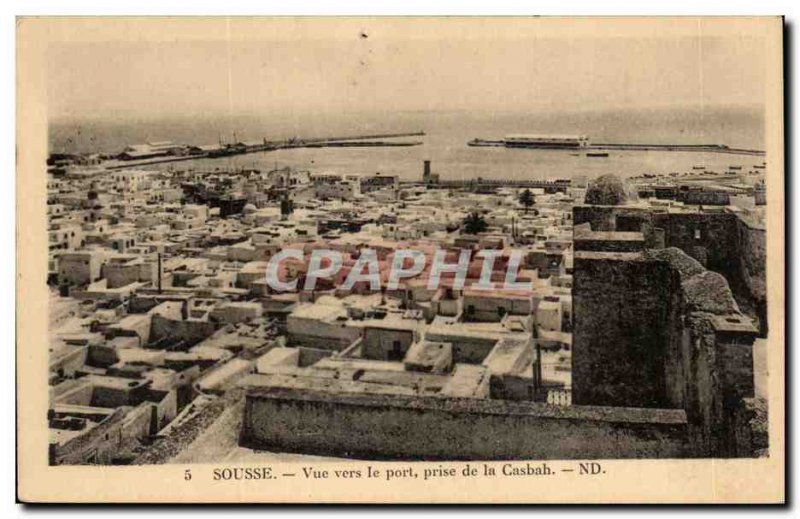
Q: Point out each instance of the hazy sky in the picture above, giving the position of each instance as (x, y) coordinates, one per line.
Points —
(184, 78)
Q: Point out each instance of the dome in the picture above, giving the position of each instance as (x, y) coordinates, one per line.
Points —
(249, 208)
(606, 190)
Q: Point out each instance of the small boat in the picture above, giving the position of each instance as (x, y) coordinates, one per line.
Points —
(698, 168)
(760, 167)
(735, 168)
(597, 154)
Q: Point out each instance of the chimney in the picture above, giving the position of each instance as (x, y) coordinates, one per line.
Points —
(426, 171)
(159, 272)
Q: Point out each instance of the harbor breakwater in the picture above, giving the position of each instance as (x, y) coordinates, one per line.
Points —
(714, 148)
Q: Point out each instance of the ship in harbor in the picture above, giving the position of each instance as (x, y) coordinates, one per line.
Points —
(537, 141)
(546, 141)
(581, 143)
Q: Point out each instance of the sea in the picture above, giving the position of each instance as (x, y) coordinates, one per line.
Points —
(444, 142)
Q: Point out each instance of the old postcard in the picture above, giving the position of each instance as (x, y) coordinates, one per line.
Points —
(400, 260)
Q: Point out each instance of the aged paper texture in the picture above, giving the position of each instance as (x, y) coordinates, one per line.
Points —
(400, 260)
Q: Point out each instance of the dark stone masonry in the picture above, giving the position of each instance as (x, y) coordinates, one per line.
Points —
(661, 327)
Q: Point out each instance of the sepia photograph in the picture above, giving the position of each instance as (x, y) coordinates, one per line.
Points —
(398, 253)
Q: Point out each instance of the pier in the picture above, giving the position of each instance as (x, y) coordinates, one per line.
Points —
(711, 148)
(191, 152)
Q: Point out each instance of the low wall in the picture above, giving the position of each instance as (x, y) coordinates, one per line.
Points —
(423, 428)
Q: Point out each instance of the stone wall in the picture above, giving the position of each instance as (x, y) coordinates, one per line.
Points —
(621, 314)
(720, 240)
(619, 241)
(658, 330)
(753, 269)
(429, 428)
(710, 238)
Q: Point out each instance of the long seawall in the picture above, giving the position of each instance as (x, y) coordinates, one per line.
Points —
(712, 148)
